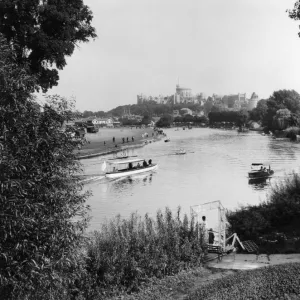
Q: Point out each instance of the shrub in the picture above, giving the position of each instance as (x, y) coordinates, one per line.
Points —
(127, 252)
(277, 219)
(292, 132)
(267, 283)
(42, 207)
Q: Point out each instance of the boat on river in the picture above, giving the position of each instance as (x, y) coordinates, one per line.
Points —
(121, 168)
(167, 140)
(259, 171)
(180, 152)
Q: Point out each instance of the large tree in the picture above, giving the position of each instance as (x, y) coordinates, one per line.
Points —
(43, 33)
(258, 113)
(42, 209)
(281, 99)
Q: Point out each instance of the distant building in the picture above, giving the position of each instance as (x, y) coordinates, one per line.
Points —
(252, 103)
(182, 95)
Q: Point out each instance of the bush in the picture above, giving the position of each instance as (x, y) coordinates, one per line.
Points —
(128, 252)
(292, 132)
(276, 219)
(267, 283)
(42, 207)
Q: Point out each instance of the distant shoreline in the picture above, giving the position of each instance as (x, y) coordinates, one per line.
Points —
(101, 143)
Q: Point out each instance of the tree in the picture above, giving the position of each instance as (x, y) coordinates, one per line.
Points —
(208, 105)
(43, 33)
(281, 99)
(42, 208)
(282, 119)
(146, 120)
(242, 117)
(165, 121)
(259, 112)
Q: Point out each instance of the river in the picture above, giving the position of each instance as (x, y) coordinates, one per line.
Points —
(214, 168)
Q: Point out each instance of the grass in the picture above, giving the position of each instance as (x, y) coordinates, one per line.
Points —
(274, 282)
(96, 140)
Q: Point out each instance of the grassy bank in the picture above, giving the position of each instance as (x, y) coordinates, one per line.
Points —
(275, 282)
(102, 141)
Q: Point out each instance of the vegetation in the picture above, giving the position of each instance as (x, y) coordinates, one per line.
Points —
(191, 119)
(274, 221)
(237, 117)
(150, 108)
(292, 132)
(42, 208)
(165, 121)
(274, 282)
(43, 33)
(126, 253)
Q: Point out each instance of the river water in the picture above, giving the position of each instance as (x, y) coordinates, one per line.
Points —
(214, 168)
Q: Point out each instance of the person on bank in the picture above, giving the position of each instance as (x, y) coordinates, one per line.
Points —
(130, 166)
(204, 229)
(211, 236)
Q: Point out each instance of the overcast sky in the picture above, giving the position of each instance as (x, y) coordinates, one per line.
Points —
(212, 46)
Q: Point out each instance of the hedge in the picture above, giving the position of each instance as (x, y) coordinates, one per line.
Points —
(274, 282)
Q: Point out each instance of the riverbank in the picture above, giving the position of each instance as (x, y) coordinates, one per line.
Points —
(110, 140)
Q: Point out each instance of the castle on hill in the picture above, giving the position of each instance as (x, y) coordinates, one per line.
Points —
(184, 95)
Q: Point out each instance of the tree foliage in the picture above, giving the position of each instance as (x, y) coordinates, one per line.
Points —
(42, 208)
(43, 33)
(165, 121)
(259, 112)
(281, 99)
(279, 214)
(223, 116)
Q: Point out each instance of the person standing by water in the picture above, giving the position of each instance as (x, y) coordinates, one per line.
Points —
(204, 232)
(123, 140)
(114, 139)
(132, 139)
(211, 236)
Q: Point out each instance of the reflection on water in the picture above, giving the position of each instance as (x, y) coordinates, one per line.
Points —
(260, 184)
(215, 168)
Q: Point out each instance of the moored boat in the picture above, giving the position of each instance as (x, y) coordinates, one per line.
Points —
(167, 140)
(180, 152)
(121, 168)
(259, 171)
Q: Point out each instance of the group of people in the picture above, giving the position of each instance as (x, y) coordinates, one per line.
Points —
(123, 140)
(145, 164)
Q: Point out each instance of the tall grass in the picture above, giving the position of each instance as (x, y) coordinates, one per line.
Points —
(126, 252)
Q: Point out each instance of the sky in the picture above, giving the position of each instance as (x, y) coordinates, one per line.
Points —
(210, 46)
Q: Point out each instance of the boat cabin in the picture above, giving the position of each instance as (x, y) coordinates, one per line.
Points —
(125, 167)
(259, 170)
